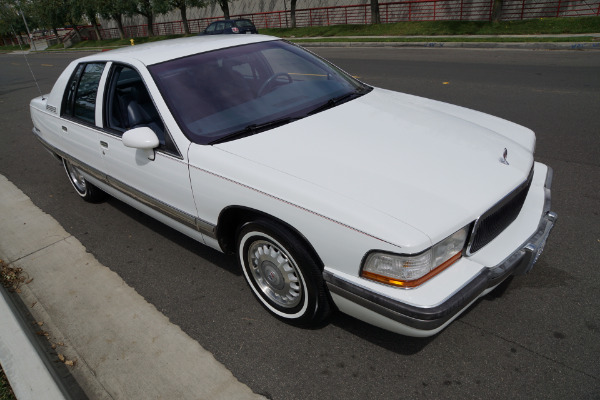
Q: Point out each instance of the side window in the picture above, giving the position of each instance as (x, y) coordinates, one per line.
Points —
(220, 26)
(129, 105)
(80, 96)
(211, 28)
(67, 106)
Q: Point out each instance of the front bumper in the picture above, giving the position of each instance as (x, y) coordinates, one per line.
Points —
(433, 318)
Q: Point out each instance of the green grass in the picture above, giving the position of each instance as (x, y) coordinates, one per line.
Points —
(433, 28)
(429, 29)
(12, 48)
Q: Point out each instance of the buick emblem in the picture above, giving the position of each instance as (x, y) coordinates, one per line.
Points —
(503, 159)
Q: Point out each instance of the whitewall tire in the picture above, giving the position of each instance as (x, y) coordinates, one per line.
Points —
(282, 274)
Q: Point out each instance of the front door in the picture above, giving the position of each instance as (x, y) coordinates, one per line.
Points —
(160, 182)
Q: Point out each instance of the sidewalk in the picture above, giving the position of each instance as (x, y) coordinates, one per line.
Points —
(121, 346)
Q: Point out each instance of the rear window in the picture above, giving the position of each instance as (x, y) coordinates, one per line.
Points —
(244, 24)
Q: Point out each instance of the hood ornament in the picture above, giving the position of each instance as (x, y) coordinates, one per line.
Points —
(503, 159)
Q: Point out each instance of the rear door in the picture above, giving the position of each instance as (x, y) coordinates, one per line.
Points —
(79, 125)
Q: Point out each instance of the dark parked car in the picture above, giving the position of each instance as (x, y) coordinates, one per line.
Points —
(228, 26)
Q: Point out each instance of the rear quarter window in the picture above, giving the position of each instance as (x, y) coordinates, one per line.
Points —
(244, 24)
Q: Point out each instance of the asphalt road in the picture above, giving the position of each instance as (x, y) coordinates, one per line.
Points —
(536, 337)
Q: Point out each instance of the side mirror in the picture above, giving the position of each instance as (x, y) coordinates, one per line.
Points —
(142, 138)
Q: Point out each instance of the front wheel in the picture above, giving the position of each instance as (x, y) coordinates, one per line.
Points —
(282, 274)
(84, 189)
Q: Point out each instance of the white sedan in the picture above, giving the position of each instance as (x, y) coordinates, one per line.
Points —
(395, 209)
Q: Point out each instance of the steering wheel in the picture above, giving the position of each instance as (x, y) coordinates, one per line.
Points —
(271, 79)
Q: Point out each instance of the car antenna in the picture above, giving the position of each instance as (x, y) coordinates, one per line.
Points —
(27, 61)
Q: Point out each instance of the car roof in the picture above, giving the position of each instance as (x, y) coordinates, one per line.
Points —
(231, 20)
(165, 50)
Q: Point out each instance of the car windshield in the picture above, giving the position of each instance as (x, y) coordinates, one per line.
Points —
(230, 93)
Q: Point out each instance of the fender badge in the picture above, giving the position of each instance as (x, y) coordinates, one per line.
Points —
(503, 159)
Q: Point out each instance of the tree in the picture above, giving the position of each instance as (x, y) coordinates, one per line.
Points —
(89, 9)
(144, 8)
(224, 4)
(91, 16)
(51, 14)
(375, 17)
(11, 23)
(293, 12)
(183, 5)
(115, 10)
(149, 9)
(497, 11)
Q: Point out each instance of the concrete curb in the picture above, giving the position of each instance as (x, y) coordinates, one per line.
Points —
(464, 45)
(20, 358)
(123, 347)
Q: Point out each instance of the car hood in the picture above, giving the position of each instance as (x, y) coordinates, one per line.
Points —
(431, 165)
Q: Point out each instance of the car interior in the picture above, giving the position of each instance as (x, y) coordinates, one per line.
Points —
(130, 105)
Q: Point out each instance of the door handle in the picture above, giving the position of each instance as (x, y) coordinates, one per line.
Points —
(104, 144)
(64, 128)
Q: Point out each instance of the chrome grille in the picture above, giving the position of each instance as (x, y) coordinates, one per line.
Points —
(499, 217)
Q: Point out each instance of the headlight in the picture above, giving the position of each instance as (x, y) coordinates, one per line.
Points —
(413, 270)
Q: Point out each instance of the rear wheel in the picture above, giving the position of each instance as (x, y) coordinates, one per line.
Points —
(84, 189)
(282, 274)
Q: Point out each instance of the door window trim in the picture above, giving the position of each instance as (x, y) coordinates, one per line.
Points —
(169, 147)
(67, 109)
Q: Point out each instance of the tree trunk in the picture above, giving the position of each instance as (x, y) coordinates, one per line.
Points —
(497, 11)
(57, 35)
(118, 20)
(375, 18)
(94, 23)
(293, 12)
(76, 29)
(186, 27)
(225, 7)
(150, 18)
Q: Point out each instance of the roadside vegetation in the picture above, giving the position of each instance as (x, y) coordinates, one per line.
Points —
(427, 31)
(538, 26)
(111, 43)
(11, 48)
(6, 392)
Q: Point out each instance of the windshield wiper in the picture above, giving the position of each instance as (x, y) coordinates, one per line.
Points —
(340, 99)
(253, 129)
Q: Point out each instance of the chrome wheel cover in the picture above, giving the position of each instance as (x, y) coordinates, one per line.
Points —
(275, 273)
(76, 177)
